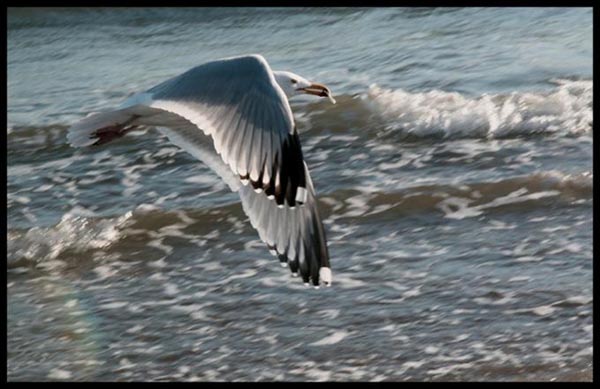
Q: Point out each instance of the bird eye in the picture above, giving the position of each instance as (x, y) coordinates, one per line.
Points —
(294, 81)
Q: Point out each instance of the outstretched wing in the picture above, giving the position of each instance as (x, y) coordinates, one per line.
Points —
(235, 105)
(295, 235)
(240, 105)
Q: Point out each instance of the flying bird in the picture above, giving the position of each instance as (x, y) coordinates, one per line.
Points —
(233, 115)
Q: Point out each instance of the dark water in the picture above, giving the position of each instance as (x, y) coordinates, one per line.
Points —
(455, 183)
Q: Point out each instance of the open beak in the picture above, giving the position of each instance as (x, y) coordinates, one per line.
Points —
(319, 90)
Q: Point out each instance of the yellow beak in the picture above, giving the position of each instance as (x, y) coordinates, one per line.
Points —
(318, 90)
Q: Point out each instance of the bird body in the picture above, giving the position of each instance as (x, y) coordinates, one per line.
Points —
(234, 116)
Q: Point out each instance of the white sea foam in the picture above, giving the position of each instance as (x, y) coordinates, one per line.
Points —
(59, 374)
(114, 305)
(77, 231)
(543, 310)
(334, 338)
(460, 208)
(566, 108)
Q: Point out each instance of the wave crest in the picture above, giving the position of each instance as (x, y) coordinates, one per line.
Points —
(567, 110)
(75, 232)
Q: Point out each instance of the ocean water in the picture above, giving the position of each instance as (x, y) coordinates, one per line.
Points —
(454, 178)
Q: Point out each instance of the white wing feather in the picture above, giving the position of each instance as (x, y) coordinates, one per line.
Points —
(236, 106)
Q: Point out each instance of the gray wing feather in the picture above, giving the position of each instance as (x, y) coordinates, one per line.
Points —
(232, 115)
(263, 143)
(296, 235)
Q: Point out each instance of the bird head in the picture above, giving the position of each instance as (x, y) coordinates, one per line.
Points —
(294, 85)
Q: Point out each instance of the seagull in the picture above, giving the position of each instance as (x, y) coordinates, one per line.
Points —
(234, 116)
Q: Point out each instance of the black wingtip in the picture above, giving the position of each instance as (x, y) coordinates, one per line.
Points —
(289, 169)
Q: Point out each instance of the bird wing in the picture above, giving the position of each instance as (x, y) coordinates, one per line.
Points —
(240, 105)
(295, 235)
(234, 109)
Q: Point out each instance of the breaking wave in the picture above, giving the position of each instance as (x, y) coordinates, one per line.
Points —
(80, 232)
(518, 193)
(75, 233)
(567, 109)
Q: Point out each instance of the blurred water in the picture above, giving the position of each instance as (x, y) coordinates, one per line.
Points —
(454, 177)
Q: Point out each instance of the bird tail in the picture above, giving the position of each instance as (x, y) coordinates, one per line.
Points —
(102, 127)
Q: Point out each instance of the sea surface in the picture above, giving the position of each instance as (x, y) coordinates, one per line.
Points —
(454, 178)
